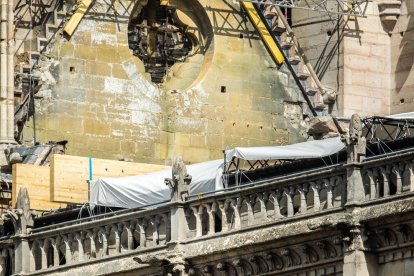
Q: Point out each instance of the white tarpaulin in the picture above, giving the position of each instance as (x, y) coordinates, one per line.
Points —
(402, 116)
(310, 149)
(146, 189)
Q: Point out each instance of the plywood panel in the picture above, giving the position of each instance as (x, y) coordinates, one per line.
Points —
(70, 173)
(37, 181)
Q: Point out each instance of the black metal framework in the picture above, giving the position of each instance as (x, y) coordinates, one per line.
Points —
(384, 135)
(386, 129)
(159, 39)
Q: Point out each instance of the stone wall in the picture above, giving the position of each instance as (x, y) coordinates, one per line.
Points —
(321, 41)
(402, 52)
(105, 106)
(371, 67)
(367, 76)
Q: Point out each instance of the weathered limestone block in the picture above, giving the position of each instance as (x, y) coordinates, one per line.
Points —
(104, 88)
(389, 11)
(322, 126)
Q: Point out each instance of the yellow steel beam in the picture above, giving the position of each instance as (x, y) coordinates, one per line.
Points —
(164, 3)
(76, 18)
(264, 33)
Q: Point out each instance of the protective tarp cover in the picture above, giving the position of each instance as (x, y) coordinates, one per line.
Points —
(148, 189)
(310, 149)
(402, 116)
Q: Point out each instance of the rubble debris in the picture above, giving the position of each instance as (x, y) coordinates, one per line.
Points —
(322, 127)
(36, 155)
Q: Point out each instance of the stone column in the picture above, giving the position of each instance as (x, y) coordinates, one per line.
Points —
(356, 148)
(3, 70)
(22, 254)
(22, 219)
(357, 259)
(6, 73)
(178, 185)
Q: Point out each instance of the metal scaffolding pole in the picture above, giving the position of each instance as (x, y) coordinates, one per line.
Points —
(333, 8)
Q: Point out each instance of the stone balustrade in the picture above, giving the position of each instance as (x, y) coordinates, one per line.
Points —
(94, 239)
(275, 200)
(388, 175)
(298, 196)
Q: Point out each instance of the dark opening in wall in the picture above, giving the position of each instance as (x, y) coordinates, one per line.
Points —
(223, 89)
(241, 35)
(158, 39)
(401, 101)
(72, 69)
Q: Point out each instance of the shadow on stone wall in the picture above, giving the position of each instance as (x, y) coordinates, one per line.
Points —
(406, 54)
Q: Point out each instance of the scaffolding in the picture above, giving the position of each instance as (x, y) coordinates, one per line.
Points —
(333, 8)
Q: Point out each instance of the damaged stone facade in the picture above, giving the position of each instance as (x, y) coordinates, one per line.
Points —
(355, 218)
(227, 94)
(368, 60)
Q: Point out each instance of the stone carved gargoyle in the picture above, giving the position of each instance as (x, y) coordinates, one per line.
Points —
(355, 142)
(179, 182)
(22, 216)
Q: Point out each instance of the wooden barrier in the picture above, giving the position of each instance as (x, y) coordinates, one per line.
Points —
(69, 175)
(37, 181)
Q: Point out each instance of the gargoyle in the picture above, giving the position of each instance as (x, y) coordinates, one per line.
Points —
(179, 182)
(355, 142)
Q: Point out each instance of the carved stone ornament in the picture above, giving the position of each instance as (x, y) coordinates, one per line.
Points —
(354, 140)
(389, 11)
(276, 260)
(179, 182)
(22, 216)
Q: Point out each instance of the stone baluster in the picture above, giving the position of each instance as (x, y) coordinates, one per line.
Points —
(142, 226)
(406, 176)
(33, 256)
(117, 228)
(130, 228)
(386, 180)
(263, 199)
(316, 188)
(67, 239)
(198, 212)
(155, 222)
(103, 235)
(329, 184)
(55, 245)
(223, 206)
(236, 205)
(372, 182)
(167, 221)
(211, 211)
(303, 191)
(410, 167)
(91, 235)
(79, 240)
(43, 245)
(397, 170)
(250, 201)
(289, 193)
(276, 197)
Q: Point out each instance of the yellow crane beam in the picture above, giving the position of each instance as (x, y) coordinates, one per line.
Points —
(76, 18)
(263, 32)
